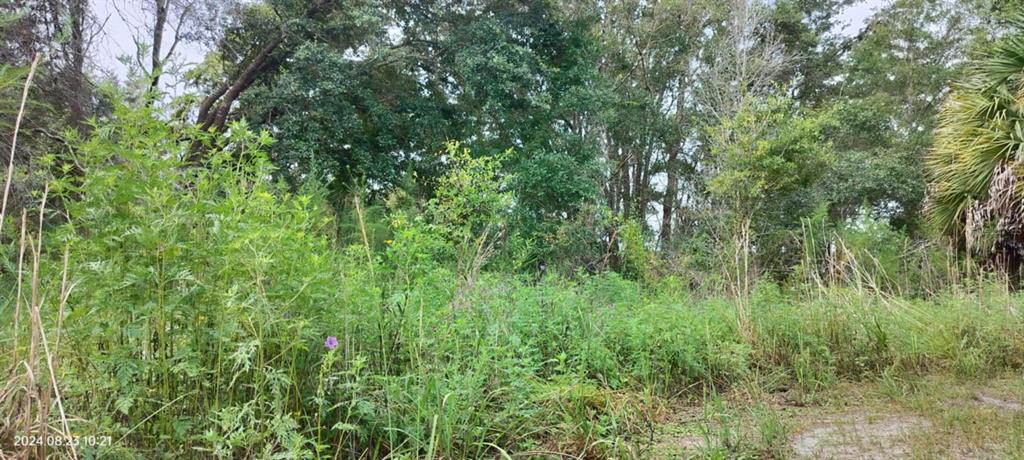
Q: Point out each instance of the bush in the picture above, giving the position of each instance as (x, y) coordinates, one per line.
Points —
(202, 294)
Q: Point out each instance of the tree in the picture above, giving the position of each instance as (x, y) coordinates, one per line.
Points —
(348, 122)
(158, 27)
(63, 30)
(807, 30)
(265, 36)
(974, 170)
(746, 60)
(886, 94)
(62, 98)
(768, 161)
(650, 58)
(367, 98)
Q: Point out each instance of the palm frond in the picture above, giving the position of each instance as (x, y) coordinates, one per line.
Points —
(978, 155)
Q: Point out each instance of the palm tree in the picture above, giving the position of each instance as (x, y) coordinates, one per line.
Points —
(976, 167)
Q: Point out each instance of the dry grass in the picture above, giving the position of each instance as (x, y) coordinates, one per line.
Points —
(32, 391)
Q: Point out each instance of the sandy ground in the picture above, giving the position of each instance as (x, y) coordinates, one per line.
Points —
(936, 418)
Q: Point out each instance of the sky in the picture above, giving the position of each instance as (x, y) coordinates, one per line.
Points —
(856, 16)
(122, 19)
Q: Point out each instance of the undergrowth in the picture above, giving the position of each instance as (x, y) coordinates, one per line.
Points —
(208, 313)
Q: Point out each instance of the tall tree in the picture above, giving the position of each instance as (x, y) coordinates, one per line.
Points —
(170, 24)
(62, 94)
(770, 158)
(809, 31)
(364, 95)
(63, 30)
(650, 56)
(892, 78)
(264, 37)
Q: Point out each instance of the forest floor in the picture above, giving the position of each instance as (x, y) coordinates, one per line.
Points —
(930, 417)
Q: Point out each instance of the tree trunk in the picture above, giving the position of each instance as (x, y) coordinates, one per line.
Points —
(74, 72)
(218, 117)
(214, 110)
(158, 38)
(668, 202)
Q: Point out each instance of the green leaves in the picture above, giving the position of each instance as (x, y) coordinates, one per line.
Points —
(978, 137)
(472, 195)
(769, 160)
(194, 277)
(767, 148)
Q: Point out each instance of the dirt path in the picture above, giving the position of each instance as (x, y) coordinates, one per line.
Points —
(930, 418)
(859, 436)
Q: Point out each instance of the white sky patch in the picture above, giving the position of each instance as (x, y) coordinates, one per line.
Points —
(124, 19)
(853, 19)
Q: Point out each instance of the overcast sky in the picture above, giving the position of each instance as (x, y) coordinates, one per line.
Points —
(123, 19)
(857, 15)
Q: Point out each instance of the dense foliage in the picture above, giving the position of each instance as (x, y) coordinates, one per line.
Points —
(212, 316)
(496, 229)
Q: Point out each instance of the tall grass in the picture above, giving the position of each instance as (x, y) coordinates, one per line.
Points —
(194, 307)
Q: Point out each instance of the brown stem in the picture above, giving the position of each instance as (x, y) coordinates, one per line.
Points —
(14, 140)
(225, 95)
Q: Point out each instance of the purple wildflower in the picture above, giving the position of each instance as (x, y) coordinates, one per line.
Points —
(331, 342)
